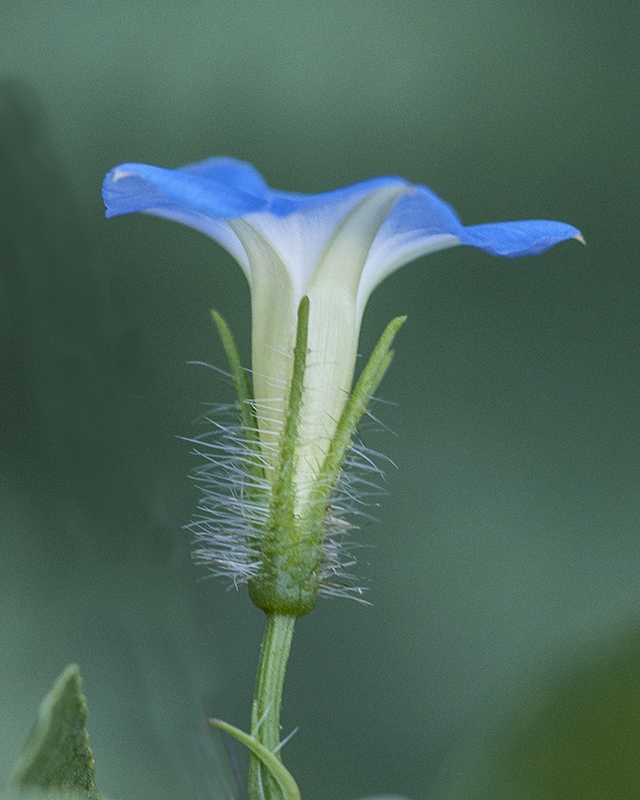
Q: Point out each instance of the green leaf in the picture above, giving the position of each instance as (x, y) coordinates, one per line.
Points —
(56, 757)
(278, 771)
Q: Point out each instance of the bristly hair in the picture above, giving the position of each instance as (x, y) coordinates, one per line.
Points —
(234, 505)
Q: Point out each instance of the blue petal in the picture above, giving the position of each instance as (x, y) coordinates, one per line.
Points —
(207, 194)
(282, 204)
(423, 212)
(514, 239)
(140, 187)
(230, 172)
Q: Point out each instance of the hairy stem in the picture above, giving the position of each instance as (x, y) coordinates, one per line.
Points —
(267, 701)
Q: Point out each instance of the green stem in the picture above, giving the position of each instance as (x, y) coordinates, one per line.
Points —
(267, 701)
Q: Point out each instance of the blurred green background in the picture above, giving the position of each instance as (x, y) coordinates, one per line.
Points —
(500, 658)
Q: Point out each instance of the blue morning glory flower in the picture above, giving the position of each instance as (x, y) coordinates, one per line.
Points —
(334, 247)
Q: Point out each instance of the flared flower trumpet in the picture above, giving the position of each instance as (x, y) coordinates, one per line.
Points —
(332, 248)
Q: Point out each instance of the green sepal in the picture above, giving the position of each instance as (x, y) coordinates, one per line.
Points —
(277, 770)
(246, 404)
(290, 553)
(291, 544)
(284, 490)
(57, 758)
(356, 406)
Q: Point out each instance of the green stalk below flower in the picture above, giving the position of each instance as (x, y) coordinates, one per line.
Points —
(289, 547)
(267, 702)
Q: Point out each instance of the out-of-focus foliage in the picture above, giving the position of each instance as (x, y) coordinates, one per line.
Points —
(510, 535)
(575, 737)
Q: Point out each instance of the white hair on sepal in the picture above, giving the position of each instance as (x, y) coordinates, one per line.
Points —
(351, 497)
(227, 517)
(233, 507)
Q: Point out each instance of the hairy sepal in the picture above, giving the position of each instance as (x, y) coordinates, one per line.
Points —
(289, 546)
